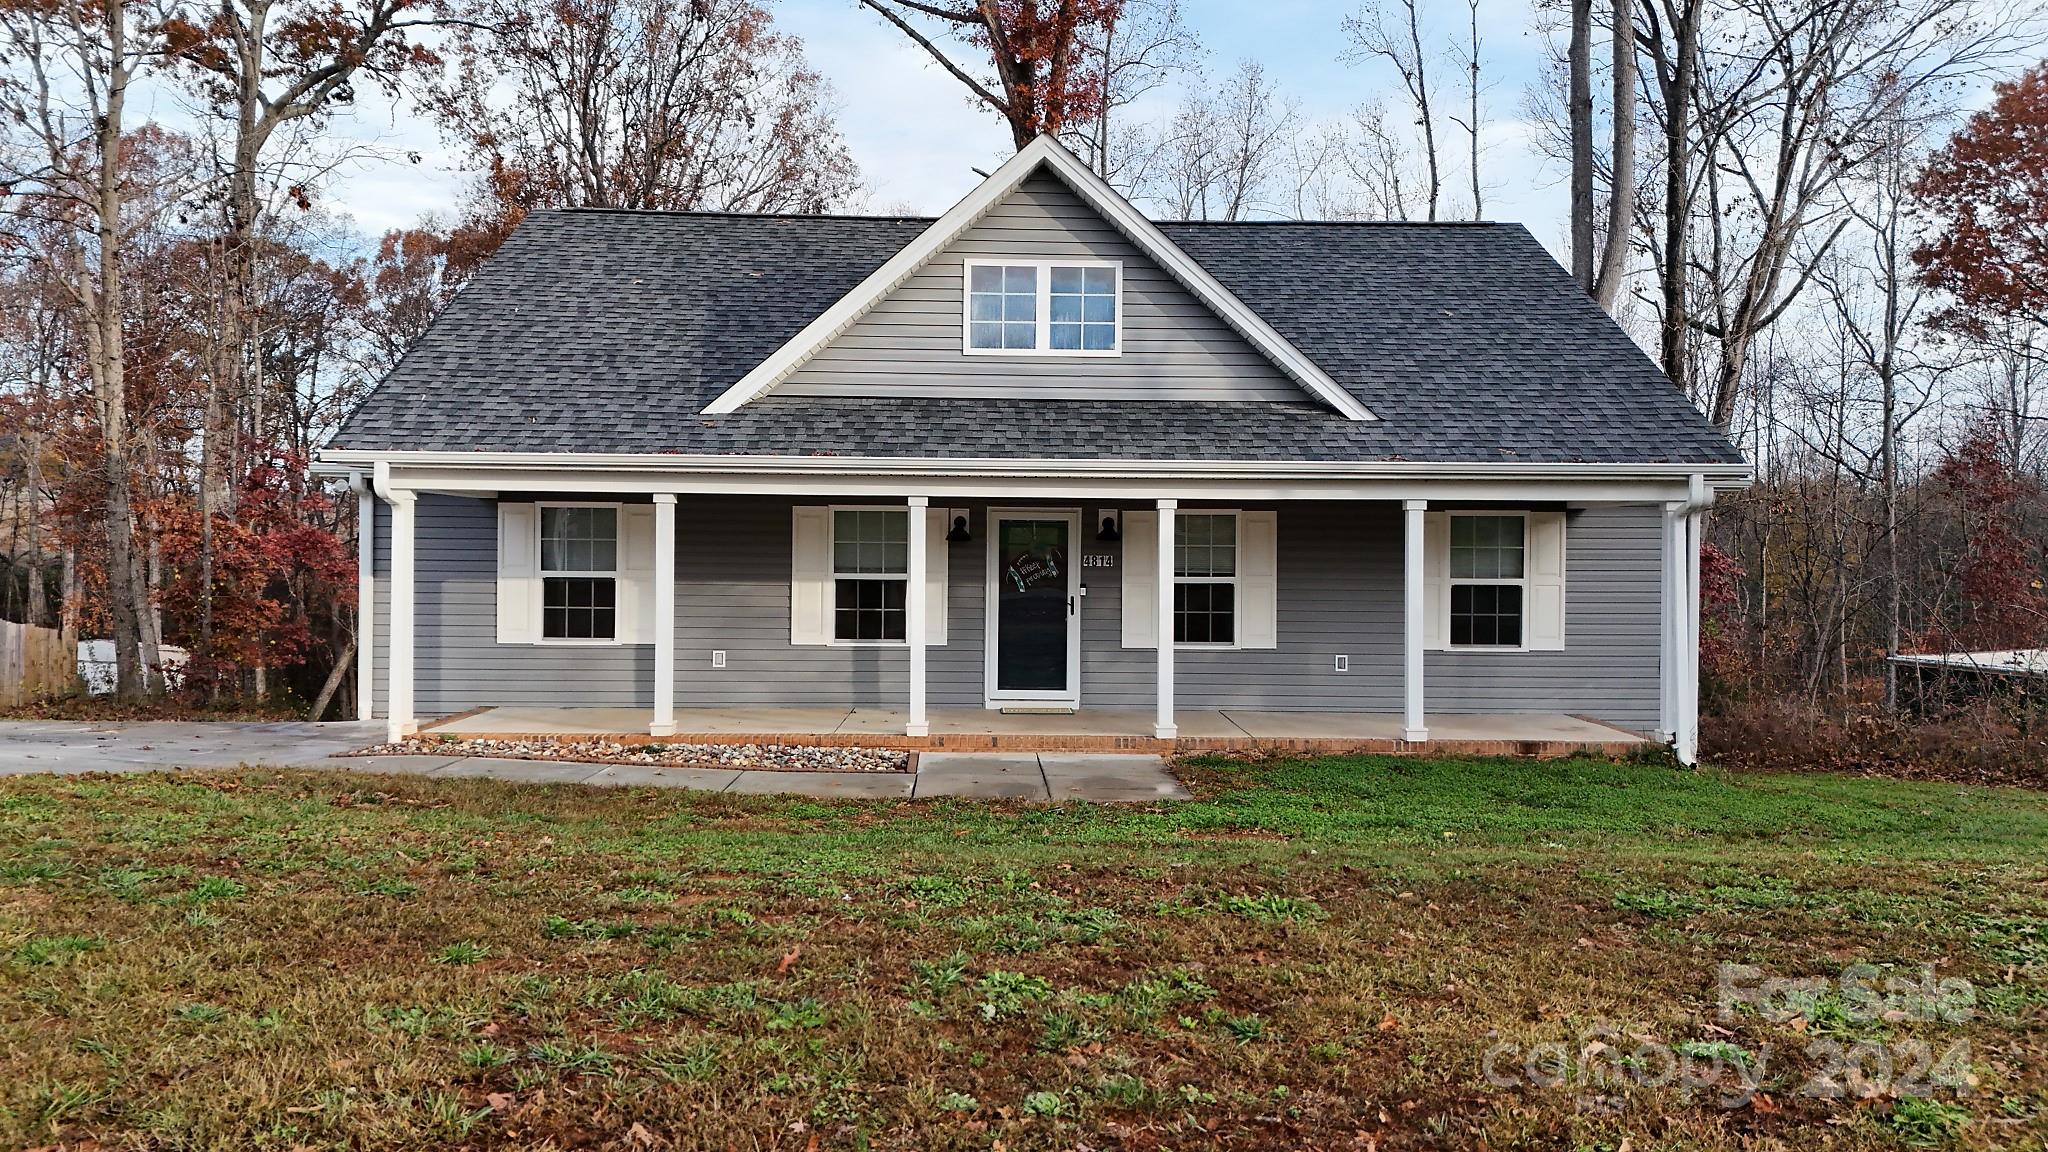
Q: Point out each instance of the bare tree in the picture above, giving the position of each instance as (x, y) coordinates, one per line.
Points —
(72, 173)
(1392, 32)
(1621, 184)
(1138, 52)
(1471, 123)
(1800, 102)
(1579, 115)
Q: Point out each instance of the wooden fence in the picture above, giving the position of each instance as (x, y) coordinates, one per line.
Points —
(35, 664)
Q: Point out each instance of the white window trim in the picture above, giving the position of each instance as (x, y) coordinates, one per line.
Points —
(832, 639)
(1043, 314)
(1236, 566)
(542, 573)
(1451, 582)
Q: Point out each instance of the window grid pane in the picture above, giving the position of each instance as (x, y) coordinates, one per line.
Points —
(1083, 312)
(1486, 547)
(579, 539)
(1204, 613)
(1486, 615)
(1205, 545)
(868, 609)
(579, 608)
(871, 542)
(1002, 307)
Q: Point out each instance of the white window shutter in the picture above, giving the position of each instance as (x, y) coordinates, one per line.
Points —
(937, 554)
(810, 576)
(636, 574)
(1545, 622)
(1436, 579)
(518, 573)
(1141, 579)
(1258, 568)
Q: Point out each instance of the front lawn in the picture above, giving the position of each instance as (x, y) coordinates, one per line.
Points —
(1344, 953)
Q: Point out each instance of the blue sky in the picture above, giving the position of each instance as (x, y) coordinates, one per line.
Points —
(917, 138)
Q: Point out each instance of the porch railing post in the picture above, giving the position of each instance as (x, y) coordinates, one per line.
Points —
(1413, 604)
(1163, 726)
(399, 722)
(914, 614)
(664, 615)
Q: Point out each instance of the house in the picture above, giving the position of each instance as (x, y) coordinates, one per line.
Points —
(987, 463)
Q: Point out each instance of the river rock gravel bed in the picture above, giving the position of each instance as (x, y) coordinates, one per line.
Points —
(604, 750)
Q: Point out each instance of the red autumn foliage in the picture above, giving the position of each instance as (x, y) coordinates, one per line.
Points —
(1988, 193)
(1997, 578)
(271, 564)
(1720, 620)
(1045, 78)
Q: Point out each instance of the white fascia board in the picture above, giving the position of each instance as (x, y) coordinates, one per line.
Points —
(1046, 151)
(512, 471)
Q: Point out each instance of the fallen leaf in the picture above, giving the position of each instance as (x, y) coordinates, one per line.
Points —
(1388, 1023)
(788, 958)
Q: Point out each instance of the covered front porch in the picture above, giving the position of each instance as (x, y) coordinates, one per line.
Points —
(732, 609)
(1084, 730)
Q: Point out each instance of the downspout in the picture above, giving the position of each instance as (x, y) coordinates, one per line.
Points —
(1699, 498)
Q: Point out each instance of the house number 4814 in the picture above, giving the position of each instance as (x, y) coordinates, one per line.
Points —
(1098, 560)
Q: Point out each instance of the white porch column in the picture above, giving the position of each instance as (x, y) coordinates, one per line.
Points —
(1672, 621)
(1163, 726)
(1413, 605)
(1687, 745)
(366, 594)
(664, 615)
(399, 719)
(914, 615)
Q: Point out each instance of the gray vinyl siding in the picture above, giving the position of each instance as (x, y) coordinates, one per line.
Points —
(1174, 346)
(1339, 593)
(458, 663)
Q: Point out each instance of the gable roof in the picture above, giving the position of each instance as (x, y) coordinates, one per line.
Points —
(1042, 153)
(610, 332)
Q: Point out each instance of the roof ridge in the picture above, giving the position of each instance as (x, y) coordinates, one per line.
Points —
(718, 213)
(722, 213)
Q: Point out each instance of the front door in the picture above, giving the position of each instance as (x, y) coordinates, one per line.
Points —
(1036, 649)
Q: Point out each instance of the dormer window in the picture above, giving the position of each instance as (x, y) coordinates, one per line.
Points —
(1043, 307)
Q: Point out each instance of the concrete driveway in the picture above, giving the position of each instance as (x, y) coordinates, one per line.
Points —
(72, 748)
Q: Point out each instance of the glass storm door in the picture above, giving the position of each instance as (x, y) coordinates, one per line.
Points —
(1035, 608)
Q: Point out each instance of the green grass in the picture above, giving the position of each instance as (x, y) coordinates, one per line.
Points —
(1311, 953)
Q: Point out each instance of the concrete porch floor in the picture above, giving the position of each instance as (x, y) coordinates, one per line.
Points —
(1201, 729)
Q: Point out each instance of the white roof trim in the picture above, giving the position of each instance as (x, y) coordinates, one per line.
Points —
(1046, 152)
(1721, 476)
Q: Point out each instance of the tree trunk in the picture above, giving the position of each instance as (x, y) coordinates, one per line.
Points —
(106, 359)
(1472, 95)
(1579, 113)
(334, 680)
(1621, 192)
(1678, 103)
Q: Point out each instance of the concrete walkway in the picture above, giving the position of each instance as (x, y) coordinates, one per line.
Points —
(73, 748)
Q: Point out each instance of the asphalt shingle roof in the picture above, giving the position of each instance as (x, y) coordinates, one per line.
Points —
(596, 331)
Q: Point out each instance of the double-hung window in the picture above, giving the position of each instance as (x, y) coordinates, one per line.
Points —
(579, 572)
(870, 574)
(1205, 578)
(1488, 579)
(1043, 306)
